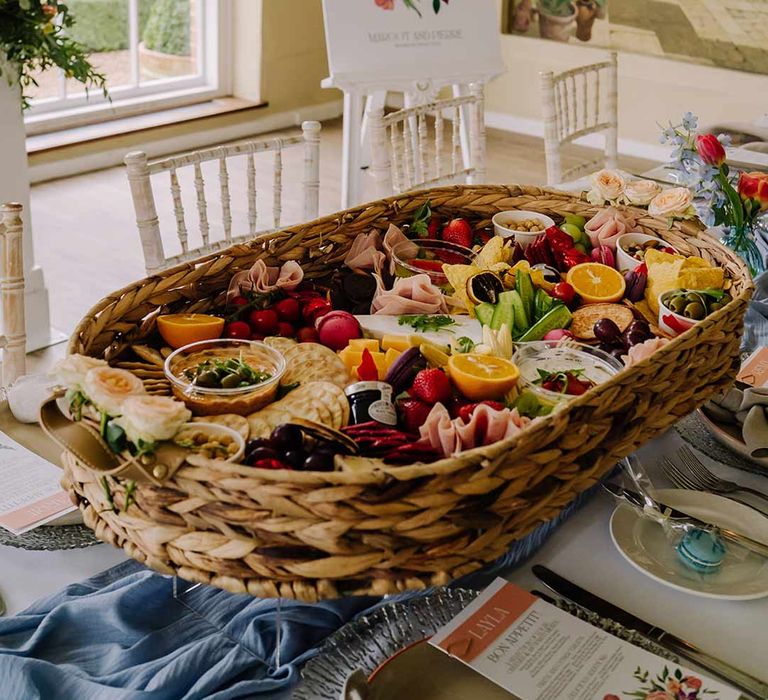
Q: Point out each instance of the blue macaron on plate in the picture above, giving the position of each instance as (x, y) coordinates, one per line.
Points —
(696, 564)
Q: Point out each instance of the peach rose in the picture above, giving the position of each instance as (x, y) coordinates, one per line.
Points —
(659, 695)
(70, 372)
(607, 186)
(152, 418)
(641, 192)
(108, 388)
(676, 202)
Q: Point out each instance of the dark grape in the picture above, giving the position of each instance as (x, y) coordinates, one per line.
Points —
(251, 445)
(639, 326)
(606, 331)
(319, 462)
(287, 437)
(631, 338)
(264, 453)
(295, 458)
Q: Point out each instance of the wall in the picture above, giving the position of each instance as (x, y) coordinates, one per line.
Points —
(651, 90)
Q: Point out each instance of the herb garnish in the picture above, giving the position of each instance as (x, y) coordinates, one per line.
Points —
(465, 344)
(426, 322)
(421, 217)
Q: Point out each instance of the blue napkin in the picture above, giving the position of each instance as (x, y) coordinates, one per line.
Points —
(121, 635)
(756, 318)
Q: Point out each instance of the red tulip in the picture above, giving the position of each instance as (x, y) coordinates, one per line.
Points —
(710, 150)
(754, 186)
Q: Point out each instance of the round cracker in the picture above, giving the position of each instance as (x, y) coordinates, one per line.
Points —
(584, 318)
(229, 420)
(279, 343)
(310, 362)
(148, 354)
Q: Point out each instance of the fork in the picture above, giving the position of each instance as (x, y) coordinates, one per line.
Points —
(693, 474)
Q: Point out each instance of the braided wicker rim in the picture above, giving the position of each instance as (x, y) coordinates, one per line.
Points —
(315, 535)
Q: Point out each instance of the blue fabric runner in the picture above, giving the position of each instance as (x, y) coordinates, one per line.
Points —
(121, 635)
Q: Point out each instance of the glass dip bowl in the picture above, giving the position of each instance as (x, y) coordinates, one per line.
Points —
(209, 401)
(426, 257)
(554, 356)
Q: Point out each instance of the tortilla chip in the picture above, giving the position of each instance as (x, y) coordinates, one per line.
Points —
(667, 272)
(491, 253)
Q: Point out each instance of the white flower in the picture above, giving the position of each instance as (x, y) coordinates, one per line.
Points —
(607, 186)
(70, 372)
(641, 192)
(152, 418)
(108, 388)
(676, 202)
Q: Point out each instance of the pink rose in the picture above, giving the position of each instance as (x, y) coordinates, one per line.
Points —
(692, 682)
(605, 227)
(386, 4)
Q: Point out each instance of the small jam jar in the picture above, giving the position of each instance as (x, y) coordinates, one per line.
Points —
(371, 401)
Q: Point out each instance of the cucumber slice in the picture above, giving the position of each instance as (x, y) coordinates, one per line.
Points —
(557, 317)
(522, 320)
(484, 313)
(503, 313)
(543, 304)
(524, 287)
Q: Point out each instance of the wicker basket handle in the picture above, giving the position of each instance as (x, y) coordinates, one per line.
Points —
(87, 445)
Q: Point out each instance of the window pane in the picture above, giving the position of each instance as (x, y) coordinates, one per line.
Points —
(168, 35)
(102, 26)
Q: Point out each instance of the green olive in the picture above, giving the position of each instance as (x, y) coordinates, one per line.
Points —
(726, 299)
(694, 310)
(693, 298)
(716, 306)
(231, 381)
(207, 379)
(677, 304)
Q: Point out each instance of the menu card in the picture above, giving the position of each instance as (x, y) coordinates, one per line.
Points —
(536, 651)
(30, 493)
(754, 370)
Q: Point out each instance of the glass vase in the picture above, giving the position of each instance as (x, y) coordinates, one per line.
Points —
(741, 240)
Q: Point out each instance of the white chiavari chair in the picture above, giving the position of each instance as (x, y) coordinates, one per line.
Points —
(140, 172)
(14, 337)
(576, 103)
(421, 146)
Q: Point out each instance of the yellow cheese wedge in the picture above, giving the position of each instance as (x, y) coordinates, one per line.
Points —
(396, 342)
(362, 343)
(390, 356)
(351, 357)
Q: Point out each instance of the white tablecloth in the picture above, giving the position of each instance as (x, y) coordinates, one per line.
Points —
(581, 550)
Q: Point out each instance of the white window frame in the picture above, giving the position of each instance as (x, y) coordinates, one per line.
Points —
(212, 80)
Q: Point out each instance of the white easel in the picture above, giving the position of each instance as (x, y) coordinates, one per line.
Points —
(372, 51)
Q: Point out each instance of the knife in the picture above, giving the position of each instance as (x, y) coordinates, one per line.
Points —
(723, 670)
(681, 516)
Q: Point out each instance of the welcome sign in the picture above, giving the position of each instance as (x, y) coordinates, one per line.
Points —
(373, 41)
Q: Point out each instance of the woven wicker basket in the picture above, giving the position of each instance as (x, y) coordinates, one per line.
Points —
(321, 535)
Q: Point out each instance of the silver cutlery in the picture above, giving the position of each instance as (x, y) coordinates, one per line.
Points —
(589, 601)
(695, 473)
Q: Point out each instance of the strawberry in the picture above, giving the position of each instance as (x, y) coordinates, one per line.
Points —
(433, 227)
(431, 386)
(482, 236)
(413, 413)
(428, 265)
(458, 231)
(466, 411)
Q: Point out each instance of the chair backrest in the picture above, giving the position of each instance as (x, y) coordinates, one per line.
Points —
(14, 337)
(408, 153)
(575, 103)
(140, 171)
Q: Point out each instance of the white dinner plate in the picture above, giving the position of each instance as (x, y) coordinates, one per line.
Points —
(642, 542)
(730, 437)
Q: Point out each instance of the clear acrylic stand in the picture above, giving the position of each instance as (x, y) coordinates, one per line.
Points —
(180, 590)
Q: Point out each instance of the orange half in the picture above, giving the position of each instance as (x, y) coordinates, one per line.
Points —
(182, 329)
(481, 377)
(596, 283)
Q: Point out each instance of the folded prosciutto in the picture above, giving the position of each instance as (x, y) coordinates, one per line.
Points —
(637, 353)
(409, 295)
(452, 435)
(261, 278)
(605, 227)
(365, 253)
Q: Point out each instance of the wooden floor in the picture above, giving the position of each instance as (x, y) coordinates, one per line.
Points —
(87, 243)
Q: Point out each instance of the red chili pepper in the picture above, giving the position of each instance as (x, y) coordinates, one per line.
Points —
(428, 265)
(574, 257)
(367, 371)
(559, 241)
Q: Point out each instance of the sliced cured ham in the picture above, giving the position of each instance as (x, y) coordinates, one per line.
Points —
(605, 227)
(261, 278)
(365, 253)
(409, 295)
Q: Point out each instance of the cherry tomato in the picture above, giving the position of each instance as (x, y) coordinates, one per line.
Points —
(285, 329)
(564, 292)
(264, 321)
(288, 309)
(307, 335)
(237, 329)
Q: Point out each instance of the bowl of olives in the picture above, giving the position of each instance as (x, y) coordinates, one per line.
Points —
(225, 375)
(681, 309)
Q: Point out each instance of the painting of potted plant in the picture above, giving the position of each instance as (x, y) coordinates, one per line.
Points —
(556, 19)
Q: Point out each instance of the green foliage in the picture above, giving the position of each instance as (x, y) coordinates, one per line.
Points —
(167, 29)
(558, 8)
(102, 25)
(35, 36)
